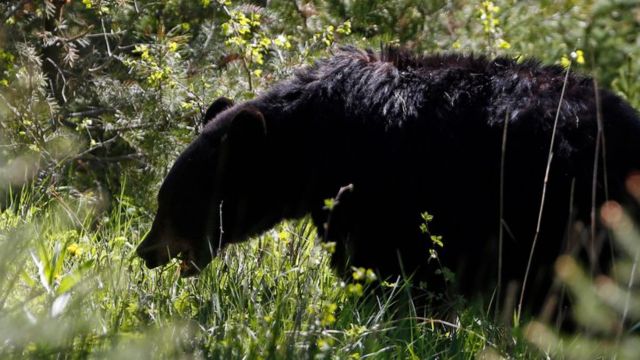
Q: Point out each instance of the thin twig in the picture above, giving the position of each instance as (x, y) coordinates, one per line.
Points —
(594, 179)
(248, 71)
(106, 39)
(102, 34)
(221, 228)
(90, 113)
(544, 191)
(64, 80)
(119, 158)
(603, 153)
(75, 37)
(569, 249)
(92, 148)
(501, 210)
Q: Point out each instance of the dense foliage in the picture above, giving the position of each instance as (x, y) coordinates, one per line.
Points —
(97, 97)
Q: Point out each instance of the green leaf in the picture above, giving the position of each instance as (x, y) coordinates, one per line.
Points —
(72, 279)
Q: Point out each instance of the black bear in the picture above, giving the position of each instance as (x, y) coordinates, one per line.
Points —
(486, 146)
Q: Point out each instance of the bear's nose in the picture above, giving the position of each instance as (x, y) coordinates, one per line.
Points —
(152, 252)
(148, 255)
(150, 260)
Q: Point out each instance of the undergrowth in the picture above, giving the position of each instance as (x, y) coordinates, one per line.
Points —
(73, 287)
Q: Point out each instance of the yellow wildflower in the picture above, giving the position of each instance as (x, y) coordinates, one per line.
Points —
(74, 249)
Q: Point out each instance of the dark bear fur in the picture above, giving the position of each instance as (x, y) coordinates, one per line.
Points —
(410, 134)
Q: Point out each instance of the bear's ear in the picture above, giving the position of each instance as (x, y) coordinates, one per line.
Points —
(245, 140)
(248, 127)
(221, 104)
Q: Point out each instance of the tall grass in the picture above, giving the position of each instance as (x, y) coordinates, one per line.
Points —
(71, 286)
(607, 308)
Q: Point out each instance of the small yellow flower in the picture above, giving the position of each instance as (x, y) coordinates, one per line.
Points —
(355, 289)
(578, 55)
(503, 44)
(328, 315)
(370, 276)
(489, 6)
(282, 41)
(74, 249)
(565, 62)
(324, 344)
(265, 42)
(456, 45)
(355, 331)
(358, 273)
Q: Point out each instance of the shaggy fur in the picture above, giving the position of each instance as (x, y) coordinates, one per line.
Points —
(410, 134)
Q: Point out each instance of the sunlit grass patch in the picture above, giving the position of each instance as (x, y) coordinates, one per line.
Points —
(72, 286)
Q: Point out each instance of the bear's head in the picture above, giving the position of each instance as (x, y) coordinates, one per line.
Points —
(215, 193)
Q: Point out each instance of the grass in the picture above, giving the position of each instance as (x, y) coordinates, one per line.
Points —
(72, 287)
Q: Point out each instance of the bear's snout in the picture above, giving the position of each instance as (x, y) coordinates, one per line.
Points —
(159, 247)
(153, 252)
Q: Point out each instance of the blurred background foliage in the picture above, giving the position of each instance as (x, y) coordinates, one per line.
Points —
(95, 90)
(97, 97)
